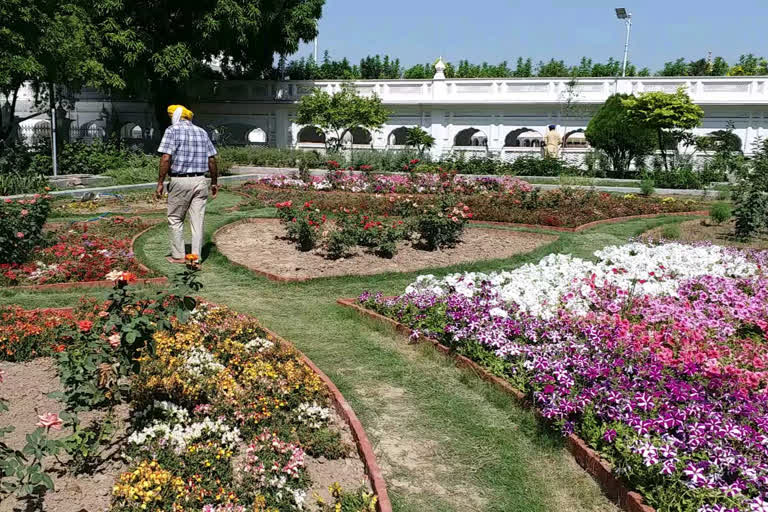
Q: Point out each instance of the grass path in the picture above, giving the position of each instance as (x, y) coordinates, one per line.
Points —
(445, 440)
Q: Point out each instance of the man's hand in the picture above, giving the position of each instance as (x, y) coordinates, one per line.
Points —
(214, 191)
(159, 191)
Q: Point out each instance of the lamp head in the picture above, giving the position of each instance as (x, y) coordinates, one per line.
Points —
(621, 13)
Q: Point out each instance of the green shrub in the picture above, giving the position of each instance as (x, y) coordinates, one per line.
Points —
(339, 243)
(17, 183)
(302, 225)
(440, 225)
(21, 227)
(720, 212)
(268, 157)
(671, 232)
(546, 166)
(750, 194)
(136, 168)
(82, 158)
(647, 187)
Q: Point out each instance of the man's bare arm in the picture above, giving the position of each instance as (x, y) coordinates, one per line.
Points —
(165, 166)
(214, 170)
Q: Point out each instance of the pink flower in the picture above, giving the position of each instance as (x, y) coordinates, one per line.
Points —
(19, 235)
(24, 212)
(50, 420)
(103, 314)
(114, 340)
(8, 201)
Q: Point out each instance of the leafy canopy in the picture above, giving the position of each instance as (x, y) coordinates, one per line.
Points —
(621, 137)
(668, 114)
(661, 110)
(341, 112)
(419, 138)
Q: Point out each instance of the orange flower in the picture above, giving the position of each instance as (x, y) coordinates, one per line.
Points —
(128, 277)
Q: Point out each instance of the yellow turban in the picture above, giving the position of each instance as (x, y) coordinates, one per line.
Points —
(185, 112)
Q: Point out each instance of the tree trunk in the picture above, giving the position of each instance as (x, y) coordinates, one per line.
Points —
(661, 147)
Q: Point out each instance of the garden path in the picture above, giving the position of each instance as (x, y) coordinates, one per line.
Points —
(445, 440)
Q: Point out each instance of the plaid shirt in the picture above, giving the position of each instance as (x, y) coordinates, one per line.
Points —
(189, 147)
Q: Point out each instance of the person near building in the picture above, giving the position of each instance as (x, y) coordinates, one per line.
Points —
(187, 154)
(552, 142)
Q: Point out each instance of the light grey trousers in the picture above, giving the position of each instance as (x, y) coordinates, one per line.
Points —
(186, 195)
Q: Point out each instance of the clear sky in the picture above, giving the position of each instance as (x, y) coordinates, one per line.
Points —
(418, 31)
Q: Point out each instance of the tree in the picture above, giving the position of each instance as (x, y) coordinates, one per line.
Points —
(672, 114)
(553, 68)
(341, 112)
(161, 45)
(45, 42)
(418, 138)
(614, 132)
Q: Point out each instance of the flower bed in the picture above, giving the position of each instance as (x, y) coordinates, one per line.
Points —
(80, 252)
(558, 208)
(654, 355)
(416, 183)
(227, 417)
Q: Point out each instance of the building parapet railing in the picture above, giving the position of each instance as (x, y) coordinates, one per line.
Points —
(703, 90)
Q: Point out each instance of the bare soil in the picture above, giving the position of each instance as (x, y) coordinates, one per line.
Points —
(26, 388)
(703, 230)
(349, 472)
(260, 245)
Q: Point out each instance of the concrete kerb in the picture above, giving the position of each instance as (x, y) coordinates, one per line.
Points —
(587, 458)
(78, 192)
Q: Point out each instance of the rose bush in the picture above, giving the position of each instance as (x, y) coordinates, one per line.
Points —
(21, 227)
(562, 207)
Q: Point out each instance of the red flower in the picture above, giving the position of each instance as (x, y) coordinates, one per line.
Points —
(85, 325)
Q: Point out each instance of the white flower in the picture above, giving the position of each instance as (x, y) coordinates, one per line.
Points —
(200, 362)
(259, 345)
(312, 414)
(560, 280)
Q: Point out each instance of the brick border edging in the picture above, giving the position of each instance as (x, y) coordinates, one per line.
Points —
(586, 457)
(96, 284)
(364, 446)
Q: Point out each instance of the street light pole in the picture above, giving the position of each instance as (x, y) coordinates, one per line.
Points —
(622, 14)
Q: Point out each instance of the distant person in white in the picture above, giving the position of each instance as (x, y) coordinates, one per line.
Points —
(552, 142)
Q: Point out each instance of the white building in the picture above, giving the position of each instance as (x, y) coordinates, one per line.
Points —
(496, 117)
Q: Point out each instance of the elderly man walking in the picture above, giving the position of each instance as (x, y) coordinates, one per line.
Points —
(187, 153)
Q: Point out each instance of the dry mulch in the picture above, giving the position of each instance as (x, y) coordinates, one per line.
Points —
(702, 230)
(260, 245)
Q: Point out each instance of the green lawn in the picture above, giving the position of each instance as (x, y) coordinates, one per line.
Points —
(445, 440)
